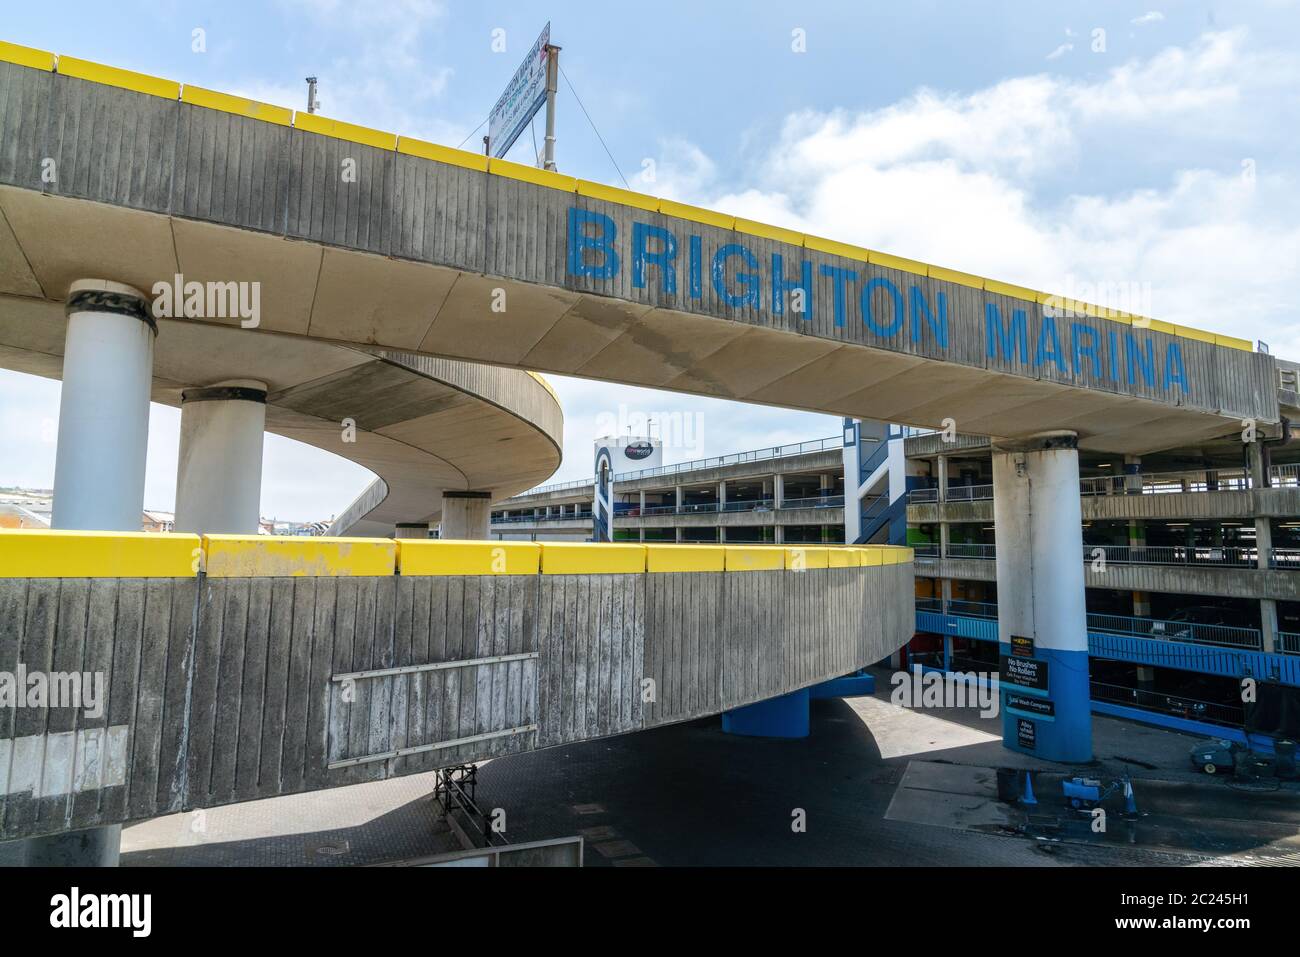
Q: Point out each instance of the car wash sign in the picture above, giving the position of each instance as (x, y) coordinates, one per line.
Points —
(524, 96)
(696, 267)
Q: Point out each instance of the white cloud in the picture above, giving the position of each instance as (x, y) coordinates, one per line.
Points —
(1060, 51)
(1153, 16)
(974, 182)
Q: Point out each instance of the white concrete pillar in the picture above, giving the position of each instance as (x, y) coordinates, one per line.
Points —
(942, 468)
(1039, 533)
(1268, 625)
(466, 516)
(778, 490)
(219, 466)
(104, 408)
(412, 530)
(722, 496)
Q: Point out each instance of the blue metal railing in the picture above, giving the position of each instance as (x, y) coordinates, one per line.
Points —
(1226, 636)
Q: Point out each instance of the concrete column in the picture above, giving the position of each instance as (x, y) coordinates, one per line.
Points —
(99, 467)
(1268, 624)
(1255, 459)
(677, 492)
(1039, 534)
(219, 466)
(722, 534)
(411, 530)
(1133, 474)
(643, 501)
(1137, 538)
(778, 490)
(942, 468)
(945, 533)
(104, 408)
(778, 534)
(466, 516)
(722, 496)
(945, 593)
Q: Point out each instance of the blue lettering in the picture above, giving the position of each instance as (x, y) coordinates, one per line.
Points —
(839, 277)
(1174, 371)
(641, 233)
(780, 285)
(1112, 341)
(998, 337)
(697, 259)
(919, 305)
(868, 316)
(749, 281)
(1144, 361)
(602, 243)
(1042, 354)
(1077, 332)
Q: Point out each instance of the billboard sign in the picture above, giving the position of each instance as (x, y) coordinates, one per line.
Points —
(524, 96)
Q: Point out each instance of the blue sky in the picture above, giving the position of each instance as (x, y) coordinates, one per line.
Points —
(1158, 157)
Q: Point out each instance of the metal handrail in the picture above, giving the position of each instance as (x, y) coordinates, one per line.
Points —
(1229, 556)
(1284, 558)
(972, 609)
(1176, 705)
(820, 501)
(970, 493)
(1288, 642)
(1166, 483)
(1284, 476)
(1229, 636)
(736, 458)
(922, 496)
(970, 550)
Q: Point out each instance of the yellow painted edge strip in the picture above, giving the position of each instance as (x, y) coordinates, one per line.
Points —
(960, 278)
(696, 215)
(1007, 289)
(46, 553)
(26, 56)
(801, 559)
(572, 558)
(764, 231)
(546, 385)
(871, 556)
(840, 556)
(275, 556)
(442, 154)
(1232, 342)
(455, 558)
(225, 103)
(337, 129)
(115, 76)
(898, 262)
(612, 194)
(754, 558)
(845, 250)
(531, 174)
(685, 558)
(1184, 332)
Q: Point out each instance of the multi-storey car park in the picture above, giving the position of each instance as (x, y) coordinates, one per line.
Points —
(379, 342)
(1191, 555)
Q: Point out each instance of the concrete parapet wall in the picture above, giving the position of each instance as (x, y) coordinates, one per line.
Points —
(279, 671)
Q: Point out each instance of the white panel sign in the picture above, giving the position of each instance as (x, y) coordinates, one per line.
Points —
(523, 97)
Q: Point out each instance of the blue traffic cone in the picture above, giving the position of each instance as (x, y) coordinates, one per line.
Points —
(1130, 802)
(1028, 796)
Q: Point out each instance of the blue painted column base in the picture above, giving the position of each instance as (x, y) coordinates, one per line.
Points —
(1066, 734)
(783, 717)
(857, 685)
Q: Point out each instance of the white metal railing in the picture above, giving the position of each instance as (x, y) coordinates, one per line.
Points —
(1165, 483)
(1224, 556)
(736, 458)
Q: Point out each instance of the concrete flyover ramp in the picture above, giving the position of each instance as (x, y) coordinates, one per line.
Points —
(241, 668)
(423, 425)
(364, 238)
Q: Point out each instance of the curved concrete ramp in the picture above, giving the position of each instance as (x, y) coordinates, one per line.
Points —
(422, 424)
(300, 664)
(420, 244)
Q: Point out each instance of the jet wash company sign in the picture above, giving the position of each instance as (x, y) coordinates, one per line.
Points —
(700, 268)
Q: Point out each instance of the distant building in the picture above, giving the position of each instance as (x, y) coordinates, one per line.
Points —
(159, 522)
